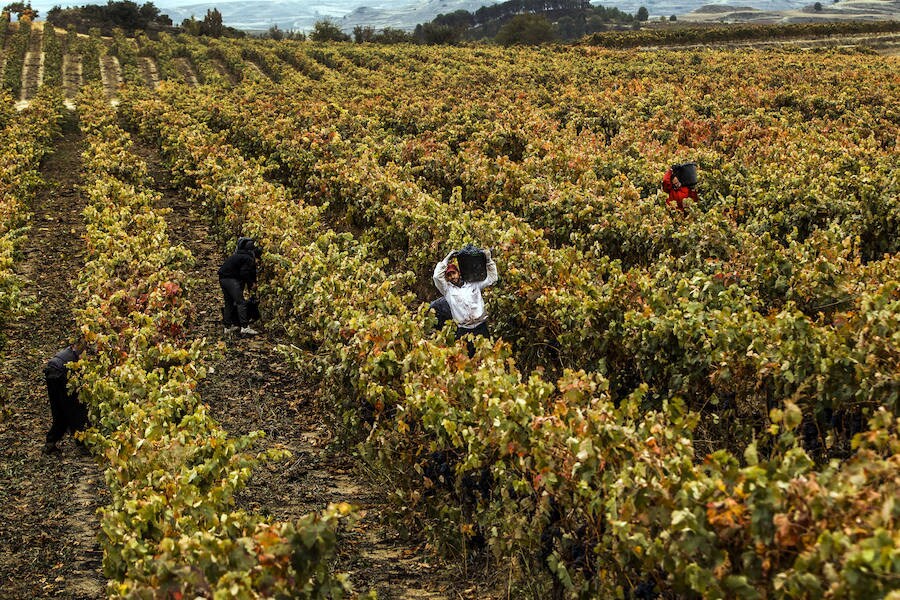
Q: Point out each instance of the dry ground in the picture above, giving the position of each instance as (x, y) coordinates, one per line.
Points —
(48, 504)
(253, 388)
(48, 525)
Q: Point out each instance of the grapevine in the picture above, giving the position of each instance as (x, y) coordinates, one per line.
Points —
(701, 404)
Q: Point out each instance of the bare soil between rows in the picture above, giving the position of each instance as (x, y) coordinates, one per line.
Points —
(49, 525)
(48, 504)
(252, 387)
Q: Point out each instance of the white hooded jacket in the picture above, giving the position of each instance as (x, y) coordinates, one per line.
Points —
(466, 303)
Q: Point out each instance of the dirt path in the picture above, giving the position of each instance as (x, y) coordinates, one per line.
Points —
(149, 71)
(222, 70)
(111, 75)
(71, 74)
(255, 70)
(253, 388)
(186, 71)
(33, 66)
(48, 504)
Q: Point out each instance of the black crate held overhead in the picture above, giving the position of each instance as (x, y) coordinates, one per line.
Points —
(472, 263)
(686, 173)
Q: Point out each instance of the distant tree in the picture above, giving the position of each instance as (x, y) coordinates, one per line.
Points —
(460, 19)
(150, 13)
(388, 35)
(595, 24)
(22, 10)
(529, 30)
(363, 34)
(817, 7)
(125, 15)
(391, 35)
(673, 18)
(327, 31)
(642, 14)
(569, 28)
(275, 34)
(191, 26)
(212, 23)
(432, 34)
(158, 19)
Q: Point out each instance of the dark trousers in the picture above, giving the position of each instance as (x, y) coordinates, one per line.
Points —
(480, 330)
(69, 414)
(235, 312)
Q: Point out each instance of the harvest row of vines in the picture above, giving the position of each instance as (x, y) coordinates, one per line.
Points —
(700, 404)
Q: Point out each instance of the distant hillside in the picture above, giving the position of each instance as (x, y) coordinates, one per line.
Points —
(288, 15)
(409, 16)
(547, 20)
(301, 15)
(856, 10)
(260, 15)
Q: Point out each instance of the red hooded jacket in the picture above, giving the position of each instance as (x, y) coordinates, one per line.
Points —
(677, 195)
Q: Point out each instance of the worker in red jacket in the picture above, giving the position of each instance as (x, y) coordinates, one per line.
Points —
(677, 192)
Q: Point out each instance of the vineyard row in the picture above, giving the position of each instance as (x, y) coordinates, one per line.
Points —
(532, 469)
(717, 297)
(171, 527)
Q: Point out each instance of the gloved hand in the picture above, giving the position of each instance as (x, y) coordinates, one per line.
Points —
(453, 254)
(487, 253)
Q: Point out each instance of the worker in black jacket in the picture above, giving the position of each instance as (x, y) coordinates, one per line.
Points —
(69, 414)
(237, 273)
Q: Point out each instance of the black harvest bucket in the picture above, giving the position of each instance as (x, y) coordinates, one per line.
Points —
(686, 173)
(472, 263)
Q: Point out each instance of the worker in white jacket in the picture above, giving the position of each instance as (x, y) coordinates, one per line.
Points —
(464, 297)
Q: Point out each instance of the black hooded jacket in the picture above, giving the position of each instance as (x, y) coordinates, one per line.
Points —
(242, 264)
(57, 367)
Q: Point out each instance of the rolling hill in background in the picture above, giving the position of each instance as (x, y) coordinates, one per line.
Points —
(406, 14)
